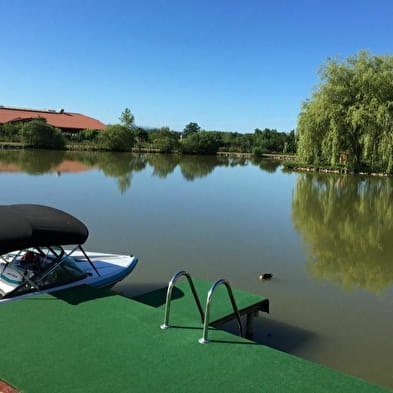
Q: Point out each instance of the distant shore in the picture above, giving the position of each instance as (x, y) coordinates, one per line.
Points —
(288, 160)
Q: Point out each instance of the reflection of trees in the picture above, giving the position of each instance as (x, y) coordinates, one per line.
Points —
(112, 164)
(236, 161)
(88, 158)
(347, 225)
(120, 166)
(193, 167)
(33, 162)
(163, 164)
(117, 165)
(266, 165)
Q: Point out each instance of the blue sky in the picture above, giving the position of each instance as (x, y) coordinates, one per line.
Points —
(227, 65)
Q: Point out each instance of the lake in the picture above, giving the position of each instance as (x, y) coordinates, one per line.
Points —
(327, 239)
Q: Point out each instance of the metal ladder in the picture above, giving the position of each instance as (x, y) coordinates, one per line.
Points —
(171, 284)
(205, 316)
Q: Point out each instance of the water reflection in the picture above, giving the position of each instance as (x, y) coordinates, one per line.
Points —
(192, 168)
(120, 165)
(266, 165)
(346, 224)
(32, 162)
(163, 164)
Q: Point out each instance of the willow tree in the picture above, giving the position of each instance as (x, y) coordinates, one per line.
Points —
(351, 112)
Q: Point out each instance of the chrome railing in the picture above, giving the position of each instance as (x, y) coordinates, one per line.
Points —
(204, 339)
(171, 284)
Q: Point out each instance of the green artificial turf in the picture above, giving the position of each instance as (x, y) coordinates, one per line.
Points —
(89, 340)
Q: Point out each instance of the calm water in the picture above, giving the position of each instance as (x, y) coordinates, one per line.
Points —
(326, 239)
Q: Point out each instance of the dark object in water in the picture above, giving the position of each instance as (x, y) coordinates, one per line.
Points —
(266, 276)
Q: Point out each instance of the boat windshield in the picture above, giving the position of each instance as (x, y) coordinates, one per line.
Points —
(63, 272)
(37, 269)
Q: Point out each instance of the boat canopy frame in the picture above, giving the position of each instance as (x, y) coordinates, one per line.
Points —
(59, 258)
(33, 226)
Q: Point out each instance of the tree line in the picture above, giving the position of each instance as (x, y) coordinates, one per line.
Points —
(346, 123)
(126, 136)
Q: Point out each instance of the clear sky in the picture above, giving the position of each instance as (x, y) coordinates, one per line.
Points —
(227, 65)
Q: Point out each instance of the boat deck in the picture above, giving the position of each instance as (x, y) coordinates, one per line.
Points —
(92, 340)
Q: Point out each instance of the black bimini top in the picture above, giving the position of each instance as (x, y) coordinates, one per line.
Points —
(24, 226)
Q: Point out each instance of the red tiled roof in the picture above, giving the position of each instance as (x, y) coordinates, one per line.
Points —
(58, 119)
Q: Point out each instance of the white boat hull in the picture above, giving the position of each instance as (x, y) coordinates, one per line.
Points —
(111, 269)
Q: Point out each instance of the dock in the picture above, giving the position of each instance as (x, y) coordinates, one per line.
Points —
(86, 340)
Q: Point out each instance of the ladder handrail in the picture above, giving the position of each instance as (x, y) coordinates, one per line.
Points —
(171, 284)
(204, 339)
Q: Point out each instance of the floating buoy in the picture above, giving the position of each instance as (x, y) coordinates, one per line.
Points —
(266, 276)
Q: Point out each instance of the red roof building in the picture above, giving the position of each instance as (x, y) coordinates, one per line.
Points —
(66, 121)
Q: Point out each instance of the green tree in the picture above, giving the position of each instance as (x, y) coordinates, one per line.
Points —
(141, 136)
(270, 141)
(351, 111)
(88, 135)
(37, 133)
(10, 132)
(117, 138)
(127, 119)
(290, 143)
(204, 142)
(165, 140)
(190, 129)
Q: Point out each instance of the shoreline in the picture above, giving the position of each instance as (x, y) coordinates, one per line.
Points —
(286, 158)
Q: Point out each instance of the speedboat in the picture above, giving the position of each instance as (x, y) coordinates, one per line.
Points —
(33, 259)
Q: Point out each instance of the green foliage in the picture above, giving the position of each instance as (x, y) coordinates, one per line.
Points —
(258, 151)
(190, 129)
(290, 143)
(88, 135)
(350, 112)
(204, 142)
(10, 132)
(127, 119)
(37, 133)
(271, 141)
(141, 136)
(164, 140)
(236, 142)
(117, 138)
